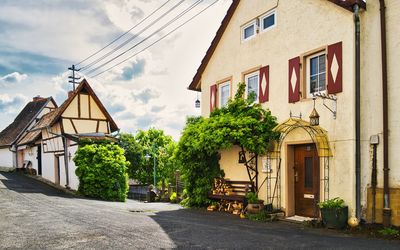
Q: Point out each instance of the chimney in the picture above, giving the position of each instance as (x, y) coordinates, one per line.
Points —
(70, 93)
(38, 98)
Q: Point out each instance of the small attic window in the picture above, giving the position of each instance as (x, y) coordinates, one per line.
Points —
(249, 31)
(268, 21)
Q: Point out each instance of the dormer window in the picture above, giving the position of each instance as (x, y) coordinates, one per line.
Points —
(249, 31)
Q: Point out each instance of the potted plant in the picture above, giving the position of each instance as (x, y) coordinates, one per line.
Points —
(254, 205)
(334, 213)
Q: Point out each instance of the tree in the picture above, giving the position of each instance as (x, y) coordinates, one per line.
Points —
(156, 144)
(241, 122)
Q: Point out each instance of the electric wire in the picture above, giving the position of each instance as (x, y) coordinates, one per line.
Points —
(148, 37)
(120, 36)
(155, 42)
(130, 39)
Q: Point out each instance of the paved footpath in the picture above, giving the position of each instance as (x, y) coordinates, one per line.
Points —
(36, 216)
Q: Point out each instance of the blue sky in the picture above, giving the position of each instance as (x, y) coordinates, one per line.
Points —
(40, 39)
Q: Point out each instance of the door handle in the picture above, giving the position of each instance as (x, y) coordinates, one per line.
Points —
(296, 176)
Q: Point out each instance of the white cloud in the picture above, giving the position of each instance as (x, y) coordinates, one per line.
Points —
(14, 77)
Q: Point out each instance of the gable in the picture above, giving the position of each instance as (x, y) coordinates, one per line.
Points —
(83, 113)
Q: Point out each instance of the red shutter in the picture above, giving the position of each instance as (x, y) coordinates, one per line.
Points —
(263, 88)
(294, 80)
(213, 97)
(335, 72)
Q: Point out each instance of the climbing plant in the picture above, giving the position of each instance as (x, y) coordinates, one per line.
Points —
(241, 122)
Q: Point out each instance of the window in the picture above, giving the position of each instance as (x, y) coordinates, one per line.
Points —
(252, 84)
(316, 74)
(224, 93)
(268, 21)
(249, 31)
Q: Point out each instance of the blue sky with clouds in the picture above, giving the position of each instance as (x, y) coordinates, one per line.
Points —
(40, 39)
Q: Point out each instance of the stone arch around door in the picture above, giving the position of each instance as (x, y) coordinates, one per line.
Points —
(313, 138)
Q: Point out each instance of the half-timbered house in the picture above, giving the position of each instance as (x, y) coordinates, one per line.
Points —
(58, 132)
(338, 58)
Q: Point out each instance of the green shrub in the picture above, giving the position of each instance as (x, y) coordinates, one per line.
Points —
(332, 203)
(387, 231)
(101, 169)
(252, 198)
(172, 198)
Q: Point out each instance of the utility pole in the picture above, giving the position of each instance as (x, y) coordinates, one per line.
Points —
(73, 78)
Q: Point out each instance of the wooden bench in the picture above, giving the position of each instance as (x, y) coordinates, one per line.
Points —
(233, 191)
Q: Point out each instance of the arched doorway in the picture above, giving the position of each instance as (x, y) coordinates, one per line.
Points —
(307, 168)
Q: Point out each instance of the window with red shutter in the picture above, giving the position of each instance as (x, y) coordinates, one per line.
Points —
(294, 80)
(264, 85)
(335, 72)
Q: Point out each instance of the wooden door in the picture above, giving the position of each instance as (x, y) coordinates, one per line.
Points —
(57, 169)
(39, 158)
(307, 180)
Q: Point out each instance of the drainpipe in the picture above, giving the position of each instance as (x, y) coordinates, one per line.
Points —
(356, 10)
(386, 215)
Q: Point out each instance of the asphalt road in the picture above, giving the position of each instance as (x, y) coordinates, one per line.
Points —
(36, 216)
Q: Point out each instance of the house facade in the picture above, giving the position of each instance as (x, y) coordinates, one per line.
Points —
(298, 56)
(50, 144)
(25, 120)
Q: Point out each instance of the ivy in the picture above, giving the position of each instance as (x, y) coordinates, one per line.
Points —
(241, 122)
(101, 169)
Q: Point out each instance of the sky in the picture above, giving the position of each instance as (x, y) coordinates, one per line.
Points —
(40, 39)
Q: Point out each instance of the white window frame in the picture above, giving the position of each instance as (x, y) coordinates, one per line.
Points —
(246, 79)
(220, 86)
(268, 14)
(308, 75)
(252, 23)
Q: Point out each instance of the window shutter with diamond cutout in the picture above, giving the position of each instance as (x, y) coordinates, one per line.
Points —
(335, 72)
(263, 87)
(294, 80)
(213, 97)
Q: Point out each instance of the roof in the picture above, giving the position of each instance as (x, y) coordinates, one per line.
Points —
(195, 84)
(197, 77)
(34, 133)
(11, 133)
(52, 117)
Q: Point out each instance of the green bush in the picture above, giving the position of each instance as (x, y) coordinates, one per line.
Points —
(172, 198)
(101, 169)
(252, 198)
(332, 203)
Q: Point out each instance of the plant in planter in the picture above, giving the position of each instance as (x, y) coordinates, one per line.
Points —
(254, 205)
(334, 213)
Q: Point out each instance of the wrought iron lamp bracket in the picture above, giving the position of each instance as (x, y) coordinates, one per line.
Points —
(332, 98)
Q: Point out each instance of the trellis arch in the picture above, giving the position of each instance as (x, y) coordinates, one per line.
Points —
(318, 135)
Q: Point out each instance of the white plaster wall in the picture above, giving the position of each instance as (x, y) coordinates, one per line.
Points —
(48, 161)
(6, 158)
(30, 154)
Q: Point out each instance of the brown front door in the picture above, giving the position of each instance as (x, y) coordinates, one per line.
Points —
(307, 179)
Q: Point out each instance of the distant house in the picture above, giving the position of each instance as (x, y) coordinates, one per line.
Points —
(291, 52)
(25, 120)
(50, 144)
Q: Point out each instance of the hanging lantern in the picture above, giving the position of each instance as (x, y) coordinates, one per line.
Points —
(314, 117)
(197, 102)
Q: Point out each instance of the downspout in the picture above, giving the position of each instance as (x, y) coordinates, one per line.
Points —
(386, 214)
(356, 10)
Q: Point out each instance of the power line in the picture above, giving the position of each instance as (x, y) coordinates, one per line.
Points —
(131, 38)
(148, 37)
(116, 39)
(155, 42)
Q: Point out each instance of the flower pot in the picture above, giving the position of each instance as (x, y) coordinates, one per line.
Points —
(254, 208)
(335, 217)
